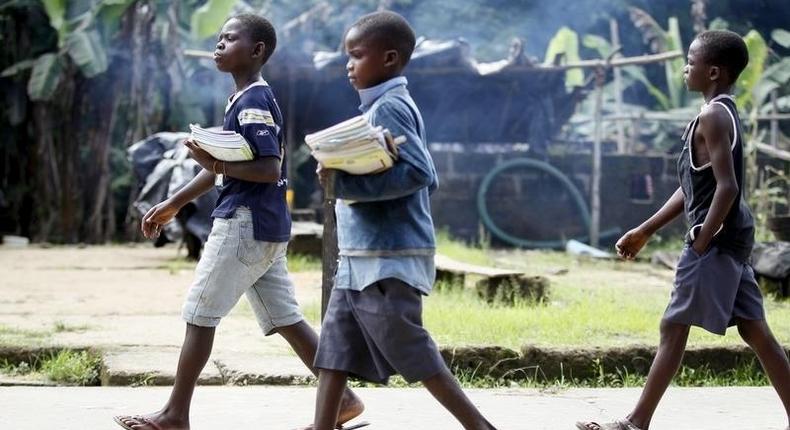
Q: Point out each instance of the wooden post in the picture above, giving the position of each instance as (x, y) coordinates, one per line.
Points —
(595, 187)
(618, 88)
(774, 122)
(329, 251)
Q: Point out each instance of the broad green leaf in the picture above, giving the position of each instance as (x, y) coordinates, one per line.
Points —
(566, 42)
(110, 13)
(637, 73)
(758, 52)
(778, 72)
(598, 43)
(87, 51)
(18, 67)
(782, 37)
(208, 19)
(44, 78)
(55, 10)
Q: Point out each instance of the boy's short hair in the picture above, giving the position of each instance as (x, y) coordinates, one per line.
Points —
(390, 30)
(260, 30)
(725, 49)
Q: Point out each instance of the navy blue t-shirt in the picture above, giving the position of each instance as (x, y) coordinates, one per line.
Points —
(253, 113)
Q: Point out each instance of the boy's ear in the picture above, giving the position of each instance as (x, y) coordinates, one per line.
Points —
(258, 49)
(714, 73)
(391, 58)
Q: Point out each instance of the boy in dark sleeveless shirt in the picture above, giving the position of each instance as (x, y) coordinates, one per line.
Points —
(715, 286)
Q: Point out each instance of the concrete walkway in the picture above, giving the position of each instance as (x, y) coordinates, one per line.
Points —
(281, 408)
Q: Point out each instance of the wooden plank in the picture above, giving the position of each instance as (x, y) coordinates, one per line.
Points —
(457, 267)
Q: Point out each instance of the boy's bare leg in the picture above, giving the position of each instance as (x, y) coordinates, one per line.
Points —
(304, 341)
(664, 367)
(771, 355)
(331, 385)
(195, 352)
(444, 387)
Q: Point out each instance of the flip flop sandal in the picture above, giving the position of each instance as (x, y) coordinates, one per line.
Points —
(621, 424)
(139, 419)
(342, 427)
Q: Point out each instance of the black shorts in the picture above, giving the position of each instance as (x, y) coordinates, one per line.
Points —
(377, 332)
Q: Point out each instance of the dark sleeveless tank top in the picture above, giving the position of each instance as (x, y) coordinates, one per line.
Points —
(736, 235)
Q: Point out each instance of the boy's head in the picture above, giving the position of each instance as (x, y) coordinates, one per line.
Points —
(715, 56)
(245, 43)
(379, 45)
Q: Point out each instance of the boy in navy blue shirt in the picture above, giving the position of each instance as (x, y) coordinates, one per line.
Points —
(373, 325)
(245, 252)
(714, 284)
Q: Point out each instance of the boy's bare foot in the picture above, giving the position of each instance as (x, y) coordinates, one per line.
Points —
(155, 421)
(350, 407)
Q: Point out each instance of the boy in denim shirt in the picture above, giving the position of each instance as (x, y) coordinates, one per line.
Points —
(373, 325)
(245, 252)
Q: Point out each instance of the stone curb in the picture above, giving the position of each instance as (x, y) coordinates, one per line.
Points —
(538, 363)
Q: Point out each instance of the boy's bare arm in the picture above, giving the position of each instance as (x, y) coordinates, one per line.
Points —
(632, 241)
(163, 212)
(199, 185)
(713, 127)
(668, 212)
(265, 169)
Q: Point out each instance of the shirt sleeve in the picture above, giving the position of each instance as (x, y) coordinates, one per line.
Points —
(411, 172)
(258, 125)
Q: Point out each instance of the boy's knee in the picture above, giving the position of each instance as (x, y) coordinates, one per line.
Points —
(673, 332)
(753, 331)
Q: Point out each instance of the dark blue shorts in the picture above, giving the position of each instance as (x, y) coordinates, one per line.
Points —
(377, 332)
(713, 291)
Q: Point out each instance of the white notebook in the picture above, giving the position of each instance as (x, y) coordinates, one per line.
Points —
(223, 145)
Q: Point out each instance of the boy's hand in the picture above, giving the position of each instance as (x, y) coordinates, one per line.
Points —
(156, 217)
(200, 156)
(631, 243)
(697, 246)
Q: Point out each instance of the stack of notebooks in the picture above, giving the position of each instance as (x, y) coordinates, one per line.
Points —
(354, 146)
(222, 144)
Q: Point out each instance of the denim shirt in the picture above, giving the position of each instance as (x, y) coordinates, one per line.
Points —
(390, 214)
(388, 231)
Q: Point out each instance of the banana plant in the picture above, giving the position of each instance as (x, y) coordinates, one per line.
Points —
(80, 41)
(565, 44)
(663, 40)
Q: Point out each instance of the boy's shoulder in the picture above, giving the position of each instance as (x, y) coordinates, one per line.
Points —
(258, 95)
(396, 103)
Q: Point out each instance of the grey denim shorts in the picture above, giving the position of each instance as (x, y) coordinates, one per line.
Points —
(234, 263)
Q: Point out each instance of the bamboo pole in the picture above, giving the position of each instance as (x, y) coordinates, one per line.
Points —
(618, 87)
(660, 116)
(595, 187)
(585, 64)
(772, 151)
(774, 122)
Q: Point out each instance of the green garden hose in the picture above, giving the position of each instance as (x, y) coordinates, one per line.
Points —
(528, 163)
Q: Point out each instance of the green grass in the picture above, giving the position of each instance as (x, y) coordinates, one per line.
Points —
(461, 251)
(72, 367)
(61, 327)
(594, 303)
(303, 263)
(747, 374)
(12, 336)
(178, 264)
